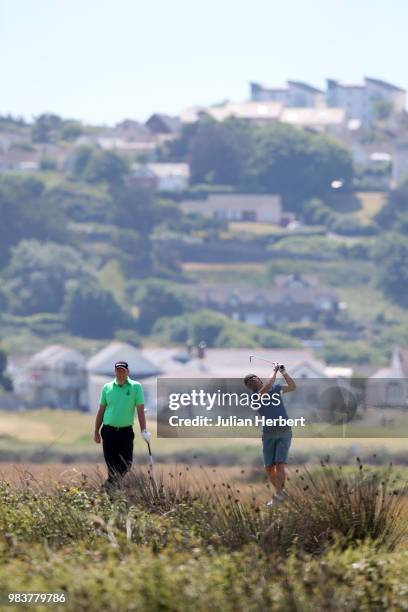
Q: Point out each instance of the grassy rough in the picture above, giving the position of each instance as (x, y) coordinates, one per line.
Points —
(174, 543)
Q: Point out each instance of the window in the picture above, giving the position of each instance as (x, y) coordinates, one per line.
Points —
(248, 215)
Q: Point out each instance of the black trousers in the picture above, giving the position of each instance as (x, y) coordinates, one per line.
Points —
(117, 450)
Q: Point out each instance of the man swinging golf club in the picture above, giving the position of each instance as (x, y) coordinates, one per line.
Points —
(276, 439)
(116, 414)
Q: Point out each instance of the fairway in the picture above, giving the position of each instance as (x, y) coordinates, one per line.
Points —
(60, 432)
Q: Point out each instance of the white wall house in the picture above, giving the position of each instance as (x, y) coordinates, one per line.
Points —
(238, 207)
(56, 377)
(162, 176)
(100, 369)
(388, 387)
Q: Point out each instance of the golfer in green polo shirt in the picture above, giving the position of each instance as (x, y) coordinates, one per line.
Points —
(116, 414)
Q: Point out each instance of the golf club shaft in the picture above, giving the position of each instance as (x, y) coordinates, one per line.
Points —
(281, 367)
(151, 463)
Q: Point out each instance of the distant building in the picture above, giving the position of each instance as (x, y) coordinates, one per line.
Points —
(359, 100)
(233, 363)
(238, 207)
(292, 299)
(388, 387)
(295, 93)
(330, 120)
(100, 369)
(161, 176)
(253, 112)
(56, 377)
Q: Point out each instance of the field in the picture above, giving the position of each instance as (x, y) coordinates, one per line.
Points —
(199, 534)
(66, 436)
(371, 204)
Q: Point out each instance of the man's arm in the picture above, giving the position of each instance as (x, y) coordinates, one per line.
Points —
(98, 422)
(141, 416)
(270, 382)
(290, 383)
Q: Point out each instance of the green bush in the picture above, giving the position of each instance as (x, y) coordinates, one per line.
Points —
(92, 312)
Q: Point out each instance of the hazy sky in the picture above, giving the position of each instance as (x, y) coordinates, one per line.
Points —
(104, 60)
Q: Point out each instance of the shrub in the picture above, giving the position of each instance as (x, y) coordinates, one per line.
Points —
(328, 505)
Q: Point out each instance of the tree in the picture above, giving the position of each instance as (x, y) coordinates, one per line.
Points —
(108, 167)
(43, 127)
(5, 380)
(296, 164)
(206, 326)
(218, 152)
(91, 311)
(316, 212)
(394, 215)
(37, 275)
(26, 212)
(391, 255)
(157, 299)
(275, 158)
(81, 161)
(382, 109)
(71, 130)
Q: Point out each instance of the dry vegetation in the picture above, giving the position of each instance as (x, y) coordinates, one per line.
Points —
(203, 537)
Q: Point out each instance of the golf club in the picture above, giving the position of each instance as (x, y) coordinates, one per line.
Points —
(151, 463)
(251, 357)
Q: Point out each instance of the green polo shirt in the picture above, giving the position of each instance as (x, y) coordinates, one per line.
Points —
(120, 402)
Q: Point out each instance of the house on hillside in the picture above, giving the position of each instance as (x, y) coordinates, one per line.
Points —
(160, 176)
(322, 120)
(359, 100)
(295, 93)
(100, 368)
(388, 387)
(252, 112)
(293, 298)
(238, 207)
(56, 377)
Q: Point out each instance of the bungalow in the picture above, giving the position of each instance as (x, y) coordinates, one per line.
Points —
(100, 369)
(56, 377)
(238, 207)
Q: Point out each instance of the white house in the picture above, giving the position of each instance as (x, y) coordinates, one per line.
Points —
(161, 176)
(238, 207)
(100, 368)
(56, 377)
(254, 112)
(330, 120)
(388, 387)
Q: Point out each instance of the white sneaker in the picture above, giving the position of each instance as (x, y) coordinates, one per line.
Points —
(275, 501)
